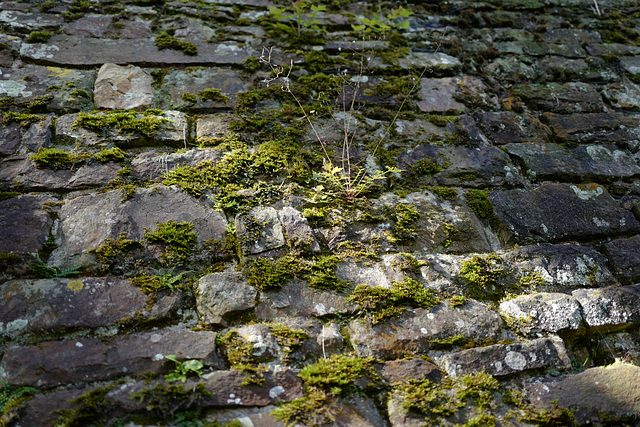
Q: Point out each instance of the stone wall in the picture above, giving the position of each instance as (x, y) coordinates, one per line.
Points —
(358, 214)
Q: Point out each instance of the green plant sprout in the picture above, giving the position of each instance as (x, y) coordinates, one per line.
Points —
(303, 18)
(43, 270)
(381, 25)
(183, 369)
(166, 278)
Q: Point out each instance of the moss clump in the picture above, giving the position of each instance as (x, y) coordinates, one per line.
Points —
(25, 119)
(11, 401)
(428, 398)
(265, 273)
(325, 380)
(479, 202)
(39, 37)
(404, 228)
(165, 40)
(532, 279)
(485, 278)
(322, 274)
(189, 97)
(126, 121)
(251, 64)
(110, 155)
(239, 354)
(113, 252)
(178, 238)
(214, 95)
(445, 193)
(87, 408)
(165, 400)
(381, 304)
(53, 158)
(287, 337)
(79, 93)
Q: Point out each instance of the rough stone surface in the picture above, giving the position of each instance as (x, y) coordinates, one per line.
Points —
(612, 390)
(152, 165)
(24, 225)
(417, 369)
(89, 359)
(610, 306)
(223, 294)
(624, 255)
(87, 221)
(122, 88)
(561, 212)
(539, 314)
(414, 332)
(298, 234)
(260, 230)
(506, 359)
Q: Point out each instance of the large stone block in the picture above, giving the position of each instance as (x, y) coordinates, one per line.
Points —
(624, 256)
(610, 306)
(122, 88)
(24, 225)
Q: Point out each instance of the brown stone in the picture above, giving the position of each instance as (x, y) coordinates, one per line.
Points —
(122, 88)
(24, 225)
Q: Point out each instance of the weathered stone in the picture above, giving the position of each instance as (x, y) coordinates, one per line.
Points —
(556, 212)
(603, 391)
(78, 51)
(299, 234)
(624, 256)
(122, 88)
(559, 69)
(562, 268)
(87, 221)
(625, 96)
(610, 306)
(136, 29)
(585, 162)
(90, 359)
(223, 294)
(438, 63)
(604, 128)
(296, 298)
(265, 347)
(55, 305)
(540, 314)
(416, 369)
(506, 359)
(511, 69)
(438, 96)
(26, 22)
(9, 138)
(24, 225)
(600, 49)
(631, 64)
(572, 35)
(178, 82)
(89, 26)
(259, 230)
(569, 50)
(330, 338)
(508, 127)
(151, 165)
(381, 274)
(213, 127)
(414, 332)
(38, 134)
(562, 98)
(41, 410)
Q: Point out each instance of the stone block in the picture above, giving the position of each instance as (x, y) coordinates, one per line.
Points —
(122, 88)
(610, 307)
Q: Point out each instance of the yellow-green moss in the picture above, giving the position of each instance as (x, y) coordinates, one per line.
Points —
(25, 119)
(179, 239)
(39, 37)
(189, 97)
(164, 40)
(53, 158)
(127, 121)
(266, 273)
(112, 251)
(485, 278)
(110, 155)
(404, 228)
(86, 408)
(478, 202)
(214, 95)
(164, 400)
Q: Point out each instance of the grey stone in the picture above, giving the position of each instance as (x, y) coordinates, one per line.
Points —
(265, 347)
(57, 305)
(9, 138)
(260, 230)
(122, 88)
(556, 212)
(607, 128)
(507, 127)
(607, 390)
(87, 221)
(38, 134)
(625, 96)
(610, 306)
(413, 332)
(624, 256)
(416, 369)
(562, 98)
(330, 338)
(30, 21)
(89, 359)
(299, 234)
(89, 26)
(296, 298)
(507, 359)
(223, 294)
(151, 165)
(213, 127)
(543, 313)
(590, 162)
(437, 96)
(631, 64)
(380, 274)
(24, 225)
(600, 49)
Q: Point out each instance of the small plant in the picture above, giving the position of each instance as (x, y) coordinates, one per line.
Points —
(183, 369)
(165, 40)
(300, 18)
(38, 37)
(43, 270)
(178, 238)
(10, 400)
(381, 26)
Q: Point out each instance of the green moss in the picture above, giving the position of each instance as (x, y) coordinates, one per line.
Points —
(318, 61)
(329, 378)
(11, 401)
(457, 301)
(478, 201)
(406, 217)
(428, 398)
(24, 119)
(4, 195)
(87, 408)
(53, 158)
(38, 104)
(322, 274)
(445, 193)
(39, 37)
(266, 273)
(79, 93)
(239, 353)
(379, 304)
(189, 97)
(532, 279)
(214, 95)
(287, 337)
(166, 41)
(485, 279)
(164, 400)
(478, 386)
(126, 121)
(179, 239)
(112, 251)
(251, 64)
(110, 155)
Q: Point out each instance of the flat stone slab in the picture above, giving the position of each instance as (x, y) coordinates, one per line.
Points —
(506, 359)
(415, 331)
(122, 88)
(585, 162)
(609, 390)
(593, 128)
(259, 230)
(624, 256)
(223, 294)
(543, 313)
(64, 50)
(55, 305)
(557, 212)
(24, 225)
(506, 127)
(152, 165)
(87, 221)
(561, 98)
(89, 359)
(610, 306)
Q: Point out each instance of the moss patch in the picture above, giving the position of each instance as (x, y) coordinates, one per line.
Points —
(179, 239)
(53, 158)
(110, 155)
(485, 278)
(165, 40)
(129, 122)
